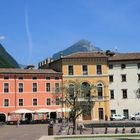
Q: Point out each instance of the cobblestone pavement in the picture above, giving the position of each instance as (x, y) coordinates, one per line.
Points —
(25, 132)
(35, 131)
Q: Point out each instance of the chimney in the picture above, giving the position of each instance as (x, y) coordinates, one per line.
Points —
(30, 67)
(110, 53)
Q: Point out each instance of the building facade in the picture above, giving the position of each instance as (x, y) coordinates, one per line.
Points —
(124, 83)
(29, 89)
(90, 68)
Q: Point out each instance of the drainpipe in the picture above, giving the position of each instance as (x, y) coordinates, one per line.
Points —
(15, 91)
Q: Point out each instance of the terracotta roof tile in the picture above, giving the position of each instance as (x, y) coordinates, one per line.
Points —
(125, 56)
(85, 55)
(28, 71)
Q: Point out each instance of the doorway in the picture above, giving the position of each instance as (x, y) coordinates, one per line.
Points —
(28, 117)
(2, 117)
(101, 113)
(53, 115)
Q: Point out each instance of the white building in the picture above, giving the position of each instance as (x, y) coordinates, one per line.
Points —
(124, 81)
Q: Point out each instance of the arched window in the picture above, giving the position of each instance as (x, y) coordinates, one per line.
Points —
(100, 90)
(71, 91)
(85, 89)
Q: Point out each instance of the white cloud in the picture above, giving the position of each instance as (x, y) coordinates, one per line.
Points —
(29, 36)
(2, 37)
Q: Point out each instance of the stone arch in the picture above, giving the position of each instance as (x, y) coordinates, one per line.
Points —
(3, 117)
(86, 90)
(100, 90)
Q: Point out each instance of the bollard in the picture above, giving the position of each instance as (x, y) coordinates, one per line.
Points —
(116, 131)
(106, 129)
(123, 130)
(92, 132)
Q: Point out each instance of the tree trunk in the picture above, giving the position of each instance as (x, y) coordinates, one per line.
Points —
(74, 126)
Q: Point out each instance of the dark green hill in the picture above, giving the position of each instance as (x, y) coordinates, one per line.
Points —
(6, 60)
(80, 46)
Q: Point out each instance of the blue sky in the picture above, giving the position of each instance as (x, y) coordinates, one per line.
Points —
(32, 30)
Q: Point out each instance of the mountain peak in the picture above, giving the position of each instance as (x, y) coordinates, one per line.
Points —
(6, 60)
(80, 46)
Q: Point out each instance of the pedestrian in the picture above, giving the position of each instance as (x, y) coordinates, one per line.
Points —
(18, 122)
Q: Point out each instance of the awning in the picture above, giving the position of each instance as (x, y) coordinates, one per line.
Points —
(20, 111)
(63, 110)
(43, 110)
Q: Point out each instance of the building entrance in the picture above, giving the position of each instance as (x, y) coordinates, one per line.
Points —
(2, 117)
(28, 117)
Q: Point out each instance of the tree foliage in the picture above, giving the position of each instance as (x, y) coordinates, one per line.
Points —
(78, 97)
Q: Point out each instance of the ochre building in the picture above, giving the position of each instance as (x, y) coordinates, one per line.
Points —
(90, 68)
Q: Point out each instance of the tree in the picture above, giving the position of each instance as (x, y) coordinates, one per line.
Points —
(78, 98)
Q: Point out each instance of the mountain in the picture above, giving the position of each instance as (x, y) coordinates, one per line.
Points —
(6, 60)
(80, 46)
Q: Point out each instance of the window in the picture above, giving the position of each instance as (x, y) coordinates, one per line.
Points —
(85, 90)
(56, 78)
(57, 88)
(126, 113)
(113, 111)
(71, 91)
(6, 102)
(100, 90)
(48, 87)
(124, 92)
(20, 102)
(123, 78)
(110, 66)
(20, 87)
(57, 101)
(138, 77)
(34, 102)
(48, 101)
(34, 78)
(6, 87)
(111, 94)
(138, 65)
(70, 70)
(123, 66)
(20, 78)
(110, 78)
(6, 77)
(99, 69)
(85, 70)
(34, 87)
(48, 78)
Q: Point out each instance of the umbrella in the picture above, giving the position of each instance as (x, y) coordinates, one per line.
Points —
(43, 110)
(20, 111)
(63, 110)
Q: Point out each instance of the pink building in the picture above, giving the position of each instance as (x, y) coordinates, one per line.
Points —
(31, 90)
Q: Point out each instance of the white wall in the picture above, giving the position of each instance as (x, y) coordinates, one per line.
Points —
(131, 103)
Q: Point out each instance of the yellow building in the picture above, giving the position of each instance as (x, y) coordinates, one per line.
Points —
(88, 68)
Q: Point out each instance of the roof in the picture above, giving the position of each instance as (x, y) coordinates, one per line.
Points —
(125, 56)
(86, 55)
(27, 71)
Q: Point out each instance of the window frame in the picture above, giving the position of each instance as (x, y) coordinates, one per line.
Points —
(36, 102)
(34, 89)
(19, 102)
(70, 71)
(85, 69)
(22, 89)
(99, 69)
